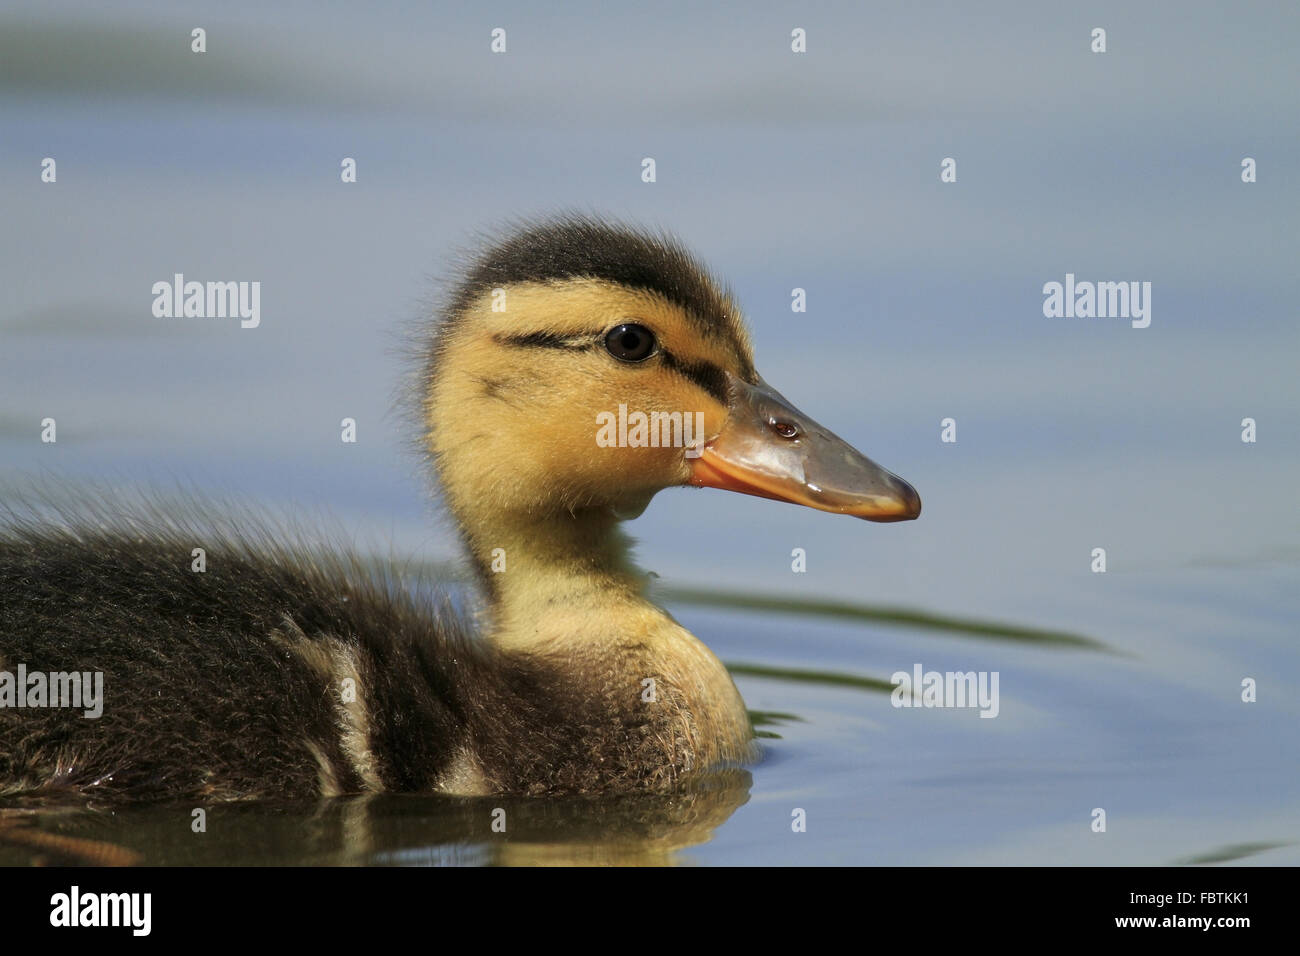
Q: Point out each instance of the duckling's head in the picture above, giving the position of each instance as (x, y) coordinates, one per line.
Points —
(581, 367)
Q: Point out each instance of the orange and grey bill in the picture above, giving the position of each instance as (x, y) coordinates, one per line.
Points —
(769, 448)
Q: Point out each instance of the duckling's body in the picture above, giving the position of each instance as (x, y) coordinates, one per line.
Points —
(281, 674)
(284, 672)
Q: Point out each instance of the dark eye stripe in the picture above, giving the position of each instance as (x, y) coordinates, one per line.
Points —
(546, 340)
(706, 375)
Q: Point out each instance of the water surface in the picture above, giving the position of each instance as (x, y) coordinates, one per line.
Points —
(924, 303)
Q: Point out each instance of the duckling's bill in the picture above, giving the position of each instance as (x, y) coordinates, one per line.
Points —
(769, 448)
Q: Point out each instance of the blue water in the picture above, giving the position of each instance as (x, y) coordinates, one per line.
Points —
(924, 302)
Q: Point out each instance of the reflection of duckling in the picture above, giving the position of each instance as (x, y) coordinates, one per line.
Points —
(283, 672)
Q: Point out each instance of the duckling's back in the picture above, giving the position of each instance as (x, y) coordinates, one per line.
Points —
(262, 675)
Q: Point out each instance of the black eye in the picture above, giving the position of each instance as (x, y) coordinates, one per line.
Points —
(630, 343)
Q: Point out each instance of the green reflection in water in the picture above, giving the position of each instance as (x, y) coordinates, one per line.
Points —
(879, 614)
(1233, 851)
(760, 719)
(834, 678)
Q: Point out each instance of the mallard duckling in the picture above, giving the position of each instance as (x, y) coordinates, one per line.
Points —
(283, 672)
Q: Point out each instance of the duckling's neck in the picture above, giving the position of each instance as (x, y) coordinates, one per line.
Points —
(570, 595)
(552, 577)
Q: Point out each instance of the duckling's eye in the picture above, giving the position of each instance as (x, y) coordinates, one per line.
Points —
(630, 342)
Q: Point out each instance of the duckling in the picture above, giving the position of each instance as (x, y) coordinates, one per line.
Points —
(288, 671)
